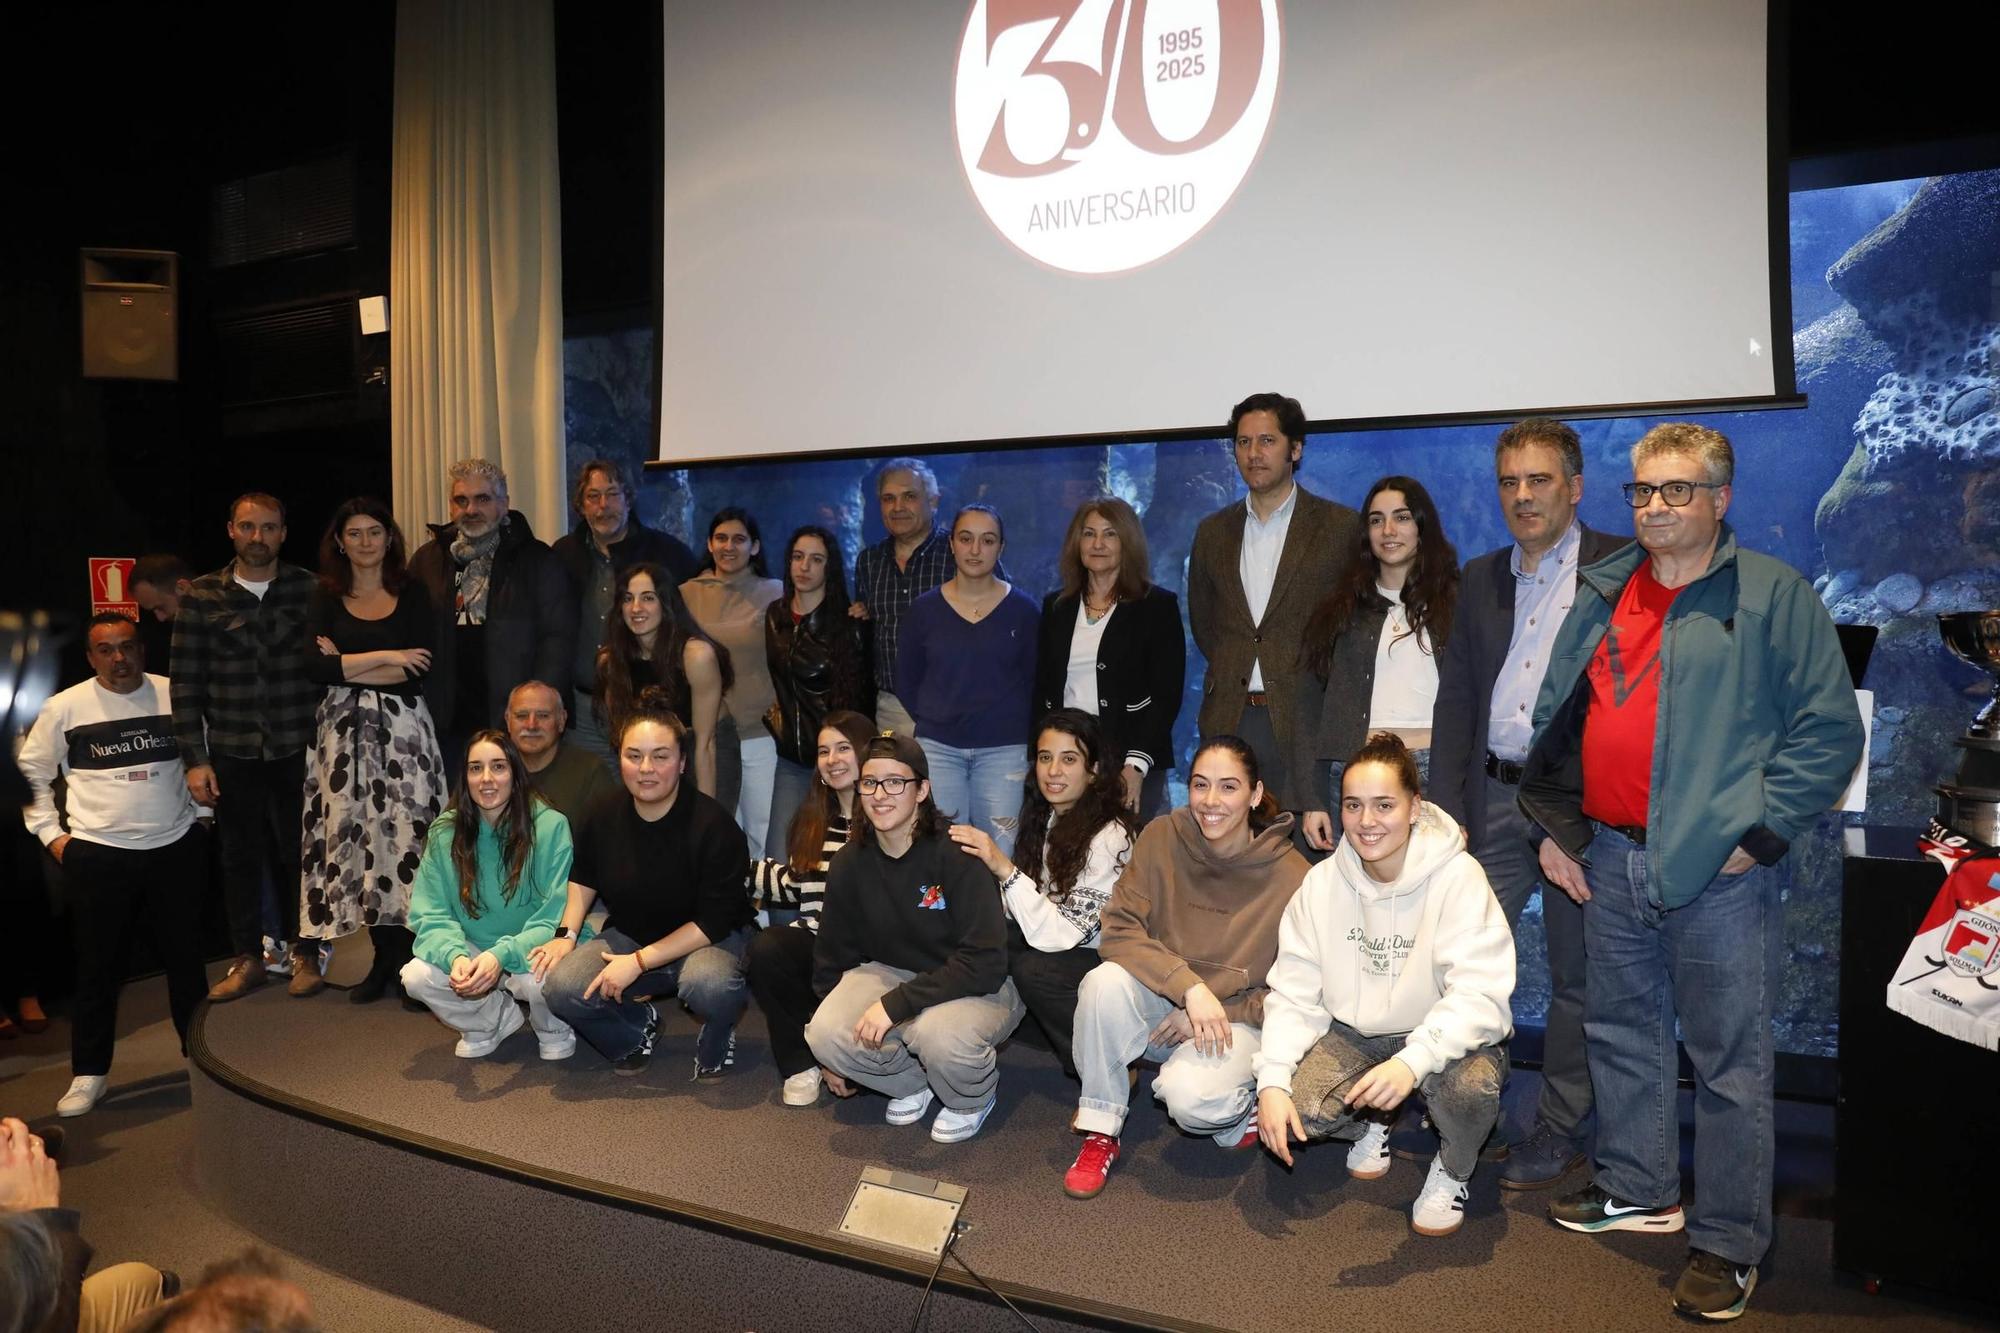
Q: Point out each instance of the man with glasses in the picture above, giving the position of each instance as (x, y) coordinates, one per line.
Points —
(1511, 602)
(1696, 718)
(605, 542)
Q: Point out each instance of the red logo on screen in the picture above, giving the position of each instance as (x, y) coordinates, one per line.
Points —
(1100, 135)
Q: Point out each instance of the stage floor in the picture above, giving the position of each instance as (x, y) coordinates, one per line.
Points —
(1185, 1234)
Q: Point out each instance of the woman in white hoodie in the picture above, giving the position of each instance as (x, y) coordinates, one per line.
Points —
(1394, 972)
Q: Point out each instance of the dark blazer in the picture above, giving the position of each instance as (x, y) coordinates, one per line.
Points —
(817, 665)
(1482, 629)
(1333, 713)
(1317, 546)
(1141, 672)
(639, 544)
(530, 623)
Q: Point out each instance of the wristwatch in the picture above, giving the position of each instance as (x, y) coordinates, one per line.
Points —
(562, 932)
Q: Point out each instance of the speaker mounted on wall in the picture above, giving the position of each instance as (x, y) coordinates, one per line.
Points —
(129, 322)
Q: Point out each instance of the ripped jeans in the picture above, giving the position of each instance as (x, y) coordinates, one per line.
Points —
(980, 786)
(1463, 1097)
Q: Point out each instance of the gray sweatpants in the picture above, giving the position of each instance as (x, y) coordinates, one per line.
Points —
(1115, 1014)
(479, 1019)
(949, 1046)
(1463, 1097)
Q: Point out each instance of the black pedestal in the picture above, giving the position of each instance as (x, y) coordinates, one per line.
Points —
(1919, 1112)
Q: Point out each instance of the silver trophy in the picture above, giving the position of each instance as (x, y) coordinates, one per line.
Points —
(1970, 803)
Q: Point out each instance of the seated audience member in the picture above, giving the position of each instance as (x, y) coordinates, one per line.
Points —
(567, 776)
(965, 665)
(246, 1294)
(1111, 645)
(791, 890)
(136, 846)
(1395, 969)
(1372, 647)
(1188, 936)
(43, 1254)
(727, 598)
(912, 956)
(489, 891)
(818, 665)
(1076, 835)
(669, 863)
(651, 640)
(608, 538)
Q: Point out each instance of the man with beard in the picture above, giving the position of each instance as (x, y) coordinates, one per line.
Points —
(510, 614)
(567, 776)
(243, 713)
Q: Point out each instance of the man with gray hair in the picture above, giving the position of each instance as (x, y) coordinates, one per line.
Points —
(914, 558)
(1696, 718)
(564, 775)
(606, 541)
(508, 611)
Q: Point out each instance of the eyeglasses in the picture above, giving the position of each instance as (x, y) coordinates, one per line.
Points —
(1675, 493)
(894, 786)
(603, 497)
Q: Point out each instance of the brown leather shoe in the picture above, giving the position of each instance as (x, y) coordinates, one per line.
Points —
(306, 976)
(245, 975)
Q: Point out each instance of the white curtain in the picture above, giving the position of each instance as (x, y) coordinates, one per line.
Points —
(475, 257)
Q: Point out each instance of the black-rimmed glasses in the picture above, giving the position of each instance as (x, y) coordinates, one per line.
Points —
(1676, 493)
(894, 786)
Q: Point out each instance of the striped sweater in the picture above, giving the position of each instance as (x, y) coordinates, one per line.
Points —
(774, 884)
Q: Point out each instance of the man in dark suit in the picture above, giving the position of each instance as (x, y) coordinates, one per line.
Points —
(1510, 604)
(1255, 571)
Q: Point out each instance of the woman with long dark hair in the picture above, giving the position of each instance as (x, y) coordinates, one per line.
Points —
(1112, 646)
(1188, 936)
(965, 666)
(651, 640)
(813, 649)
(912, 956)
(1076, 834)
(1372, 646)
(374, 777)
(489, 892)
(728, 599)
(792, 889)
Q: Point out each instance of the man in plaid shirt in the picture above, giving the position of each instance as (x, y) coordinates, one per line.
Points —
(914, 558)
(243, 715)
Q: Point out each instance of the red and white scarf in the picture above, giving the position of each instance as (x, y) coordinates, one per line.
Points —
(1950, 977)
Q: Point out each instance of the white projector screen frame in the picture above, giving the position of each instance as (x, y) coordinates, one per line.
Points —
(830, 242)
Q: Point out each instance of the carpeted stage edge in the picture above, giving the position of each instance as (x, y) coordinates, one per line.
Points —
(528, 1195)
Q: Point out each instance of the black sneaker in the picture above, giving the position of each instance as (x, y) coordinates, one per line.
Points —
(640, 1057)
(1412, 1137)
(1591, 1209)
(710, 1064)
(1712, 1287)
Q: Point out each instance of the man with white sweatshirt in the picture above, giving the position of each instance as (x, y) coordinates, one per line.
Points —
(1394, 971)
(132, 840)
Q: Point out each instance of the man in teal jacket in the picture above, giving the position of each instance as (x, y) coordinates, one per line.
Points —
(1696, 717)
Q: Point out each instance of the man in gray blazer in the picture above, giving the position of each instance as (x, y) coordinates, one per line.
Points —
(1255, 572)
(1511, 602)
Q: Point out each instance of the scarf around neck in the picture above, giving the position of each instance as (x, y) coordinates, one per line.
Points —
(474, 557)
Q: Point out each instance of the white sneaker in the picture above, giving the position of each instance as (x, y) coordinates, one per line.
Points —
(556, 1050)
(84, 1090)
(802, 1089)
(958, 1126)
(510, 1023)
(909, 1110)
(1369, 1158)
(1440, 1205)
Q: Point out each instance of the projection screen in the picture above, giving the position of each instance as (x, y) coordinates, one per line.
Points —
(901, 223)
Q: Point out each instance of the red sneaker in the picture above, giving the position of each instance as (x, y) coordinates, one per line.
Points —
(1085, 1180)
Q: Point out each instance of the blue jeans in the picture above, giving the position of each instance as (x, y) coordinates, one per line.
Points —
(1714, 964)
(789, 785)
(982, 786)
(708, 981)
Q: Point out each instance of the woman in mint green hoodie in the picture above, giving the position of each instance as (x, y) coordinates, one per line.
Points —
(489, 892)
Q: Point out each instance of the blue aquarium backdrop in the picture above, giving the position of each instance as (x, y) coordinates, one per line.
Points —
(1885, 491)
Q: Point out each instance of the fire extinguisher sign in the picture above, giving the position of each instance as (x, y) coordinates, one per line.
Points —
(111, 585)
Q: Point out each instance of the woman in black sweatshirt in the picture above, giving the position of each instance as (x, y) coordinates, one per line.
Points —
(912, 956)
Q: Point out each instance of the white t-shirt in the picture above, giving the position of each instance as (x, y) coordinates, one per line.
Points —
(1080, 686)
(1406, 673)
(256, 590)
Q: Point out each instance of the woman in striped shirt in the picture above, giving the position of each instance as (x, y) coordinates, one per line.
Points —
(791, 890)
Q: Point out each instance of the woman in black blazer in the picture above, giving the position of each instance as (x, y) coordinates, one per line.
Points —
(1130, 654)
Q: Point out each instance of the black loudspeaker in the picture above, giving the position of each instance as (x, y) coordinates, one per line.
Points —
(129, 323)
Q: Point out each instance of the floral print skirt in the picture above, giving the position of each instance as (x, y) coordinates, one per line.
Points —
(374, 783)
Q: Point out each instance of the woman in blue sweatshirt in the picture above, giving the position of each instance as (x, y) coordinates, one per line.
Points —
(489, 891)
(912, 956)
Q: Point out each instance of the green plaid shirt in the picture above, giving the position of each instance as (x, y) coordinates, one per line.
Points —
(238, 668)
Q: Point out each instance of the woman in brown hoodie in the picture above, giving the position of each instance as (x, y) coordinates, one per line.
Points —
(1188, 935)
